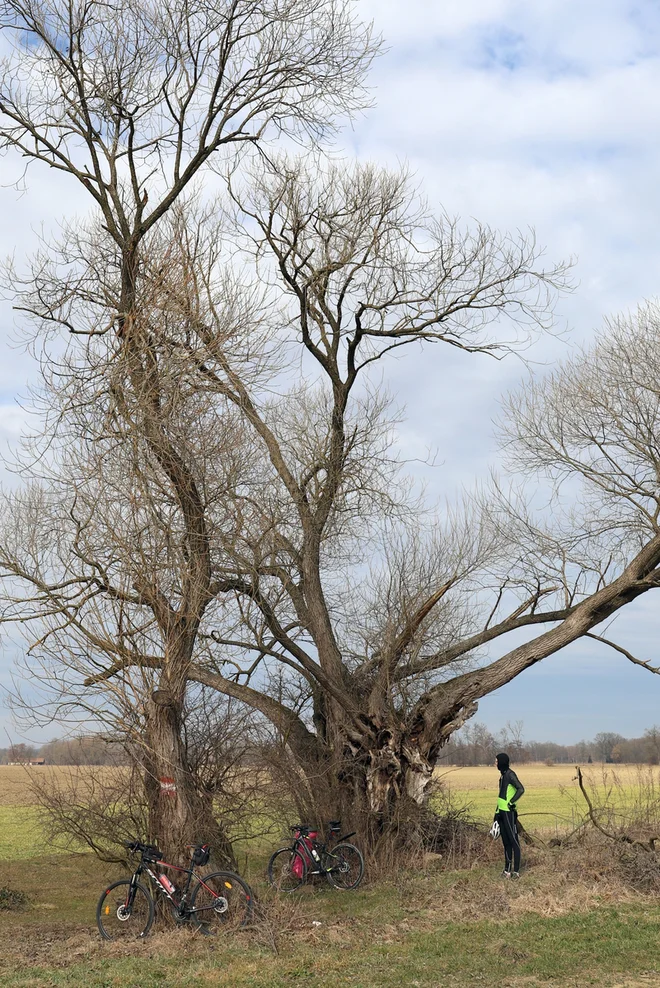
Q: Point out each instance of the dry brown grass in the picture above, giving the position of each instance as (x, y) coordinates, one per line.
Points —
(535, 775)
(16, 780)
(299, 931)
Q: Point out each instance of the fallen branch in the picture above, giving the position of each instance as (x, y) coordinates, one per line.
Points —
(526, 836)
(554, 841)
(619, 838)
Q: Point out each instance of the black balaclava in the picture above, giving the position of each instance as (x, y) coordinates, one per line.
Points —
(502, 762)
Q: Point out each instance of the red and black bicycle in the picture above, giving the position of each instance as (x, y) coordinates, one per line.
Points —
(219, 901)
(340, 862)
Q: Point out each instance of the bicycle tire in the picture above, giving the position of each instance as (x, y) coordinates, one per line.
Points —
(346, 875)
(112, 925)
(223, 900)
(281, 875)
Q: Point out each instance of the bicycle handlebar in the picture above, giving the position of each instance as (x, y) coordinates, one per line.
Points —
(333, 827)
(147, 850)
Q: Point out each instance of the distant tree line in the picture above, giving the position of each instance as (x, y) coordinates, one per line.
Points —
(67, 751)
(476, 745)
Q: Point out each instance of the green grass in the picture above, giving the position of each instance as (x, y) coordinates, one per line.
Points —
(552, 808)
(20, 833)
(586, 949)
(546, 808)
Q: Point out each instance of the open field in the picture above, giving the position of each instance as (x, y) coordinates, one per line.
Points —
(15, 780)
(552, 799)
(21, 835)
(561, 924)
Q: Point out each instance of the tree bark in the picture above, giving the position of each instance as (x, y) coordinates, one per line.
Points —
(378, 785)
(179, 812)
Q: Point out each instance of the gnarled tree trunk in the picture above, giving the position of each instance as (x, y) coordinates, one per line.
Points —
(180, 811)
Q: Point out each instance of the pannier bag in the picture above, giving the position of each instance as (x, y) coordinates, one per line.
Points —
(303, 848)
(201, 855)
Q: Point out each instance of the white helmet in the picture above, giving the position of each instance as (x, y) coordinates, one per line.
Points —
(495, 830)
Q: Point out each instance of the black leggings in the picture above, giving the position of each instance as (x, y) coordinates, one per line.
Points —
(510, 840)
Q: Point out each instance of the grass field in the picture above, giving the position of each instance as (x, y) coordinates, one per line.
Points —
(15, 780)
(552, 799)
(435, 927)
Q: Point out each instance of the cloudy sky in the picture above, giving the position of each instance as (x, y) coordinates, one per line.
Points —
(543, 115)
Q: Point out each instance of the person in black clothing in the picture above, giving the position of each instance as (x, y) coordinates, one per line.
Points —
(510, 791)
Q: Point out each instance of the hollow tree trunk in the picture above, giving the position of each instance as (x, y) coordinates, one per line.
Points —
(378, 785)
(179, 813)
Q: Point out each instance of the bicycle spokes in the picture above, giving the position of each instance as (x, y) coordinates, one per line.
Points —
(125, 912)
(221, 901)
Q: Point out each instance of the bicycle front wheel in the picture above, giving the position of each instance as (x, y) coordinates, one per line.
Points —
(287, 870)
(221, 901)
(345, 866)
(119, 918)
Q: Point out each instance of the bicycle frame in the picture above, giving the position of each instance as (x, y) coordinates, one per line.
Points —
(180, 904)
(323, 851)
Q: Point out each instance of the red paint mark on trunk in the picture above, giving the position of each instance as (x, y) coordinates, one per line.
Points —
(167, 786)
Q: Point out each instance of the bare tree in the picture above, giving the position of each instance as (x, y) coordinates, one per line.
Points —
(651, 743)
(236, 515)
(392, 663)
(133, 101)
(291, 480)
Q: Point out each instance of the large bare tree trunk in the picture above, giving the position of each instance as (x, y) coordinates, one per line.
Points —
(377, 784)
(179, 812)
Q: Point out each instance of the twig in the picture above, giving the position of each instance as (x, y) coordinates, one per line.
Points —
(619, 838)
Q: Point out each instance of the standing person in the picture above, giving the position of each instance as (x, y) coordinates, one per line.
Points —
(511, 789)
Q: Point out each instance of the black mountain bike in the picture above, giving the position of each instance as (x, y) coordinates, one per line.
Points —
(341, 863)
(219, 901)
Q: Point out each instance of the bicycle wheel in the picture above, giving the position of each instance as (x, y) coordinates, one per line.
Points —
(345, 866)
(117, 920)
(287, 870)
(221, 901)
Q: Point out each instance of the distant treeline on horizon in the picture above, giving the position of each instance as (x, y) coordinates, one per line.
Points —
(475, 744)
(88, 750)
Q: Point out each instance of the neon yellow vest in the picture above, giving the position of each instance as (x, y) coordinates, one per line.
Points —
(503, 804)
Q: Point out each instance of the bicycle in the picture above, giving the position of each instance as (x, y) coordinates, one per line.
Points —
(220, 900)
(342, 864)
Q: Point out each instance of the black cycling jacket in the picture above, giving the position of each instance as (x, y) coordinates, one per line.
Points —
(511, 789)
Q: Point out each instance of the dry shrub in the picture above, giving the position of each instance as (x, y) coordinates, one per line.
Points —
(626, 805)
(277, 919)
(612, 865)
(618, 842)
(92, 807)
(100, 807)
(12, 898)
(448, 829)
(639, 869)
